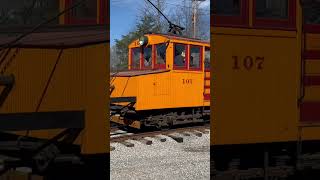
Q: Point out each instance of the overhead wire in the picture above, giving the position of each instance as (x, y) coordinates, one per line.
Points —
(189, 7)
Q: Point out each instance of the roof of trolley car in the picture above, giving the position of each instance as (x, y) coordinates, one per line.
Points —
(178, 38)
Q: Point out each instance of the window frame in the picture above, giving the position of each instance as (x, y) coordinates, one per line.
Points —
(271, 23)
(312, 28)
(185, 67)
(155, 65)
(233, 21)
(82, 21)
(103, 12)
(200, 57)
(131, 59)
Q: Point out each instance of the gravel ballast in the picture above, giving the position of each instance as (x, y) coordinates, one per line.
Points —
(162, 160)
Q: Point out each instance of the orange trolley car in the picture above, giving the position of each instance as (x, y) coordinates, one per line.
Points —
(167, 83)
(265, 101)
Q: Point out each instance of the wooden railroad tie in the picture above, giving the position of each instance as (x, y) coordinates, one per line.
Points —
(185, 133)
(162, 139)
(145, 141)
(176, 138)
(128, 144)
(197, 133)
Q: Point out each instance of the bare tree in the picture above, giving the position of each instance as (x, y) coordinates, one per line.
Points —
(203, 24)
(114, 60)
(149, 10)
(184, 18)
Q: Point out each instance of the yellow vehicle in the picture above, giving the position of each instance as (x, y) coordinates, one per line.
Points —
(265, 101)
(167, 83)
(53, 95)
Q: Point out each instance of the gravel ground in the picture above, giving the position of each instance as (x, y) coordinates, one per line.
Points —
(170, 160)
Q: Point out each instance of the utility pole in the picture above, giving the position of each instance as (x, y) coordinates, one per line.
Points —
(159, 15)
(195, 7)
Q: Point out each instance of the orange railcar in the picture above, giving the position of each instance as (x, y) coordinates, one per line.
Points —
(156, 90)
(265, 97)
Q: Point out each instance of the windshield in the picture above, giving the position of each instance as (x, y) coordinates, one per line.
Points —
(161, 54)
(135, 58)
(147, 57)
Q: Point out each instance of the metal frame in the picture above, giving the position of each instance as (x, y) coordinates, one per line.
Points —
(123, 99)
(38, 153)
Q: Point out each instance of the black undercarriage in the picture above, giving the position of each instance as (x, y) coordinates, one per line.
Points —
(266, 161)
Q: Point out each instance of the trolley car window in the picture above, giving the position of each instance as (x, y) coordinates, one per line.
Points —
(312, 14)
(135, 58)
(179, 55)
(207, 58)
(86, 10)
(27, 12)
(161, 53)
(195, 57)
(147, 56)
(277, 9)
(226, 7)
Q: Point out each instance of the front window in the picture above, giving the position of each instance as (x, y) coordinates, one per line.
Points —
(180, 55)
(161, 54)
(147, 57)
(195, 57)
(135, 58)
(277, 9)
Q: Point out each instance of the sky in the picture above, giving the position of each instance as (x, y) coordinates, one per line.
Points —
(124, 13)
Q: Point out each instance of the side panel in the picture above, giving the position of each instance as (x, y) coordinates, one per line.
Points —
(96, 134)
(124, 86)
(256, 77)
(174, 89)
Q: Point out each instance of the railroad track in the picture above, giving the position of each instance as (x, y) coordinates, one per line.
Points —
(176, 134)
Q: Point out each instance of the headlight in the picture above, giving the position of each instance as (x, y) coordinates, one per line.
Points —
(143, 41)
